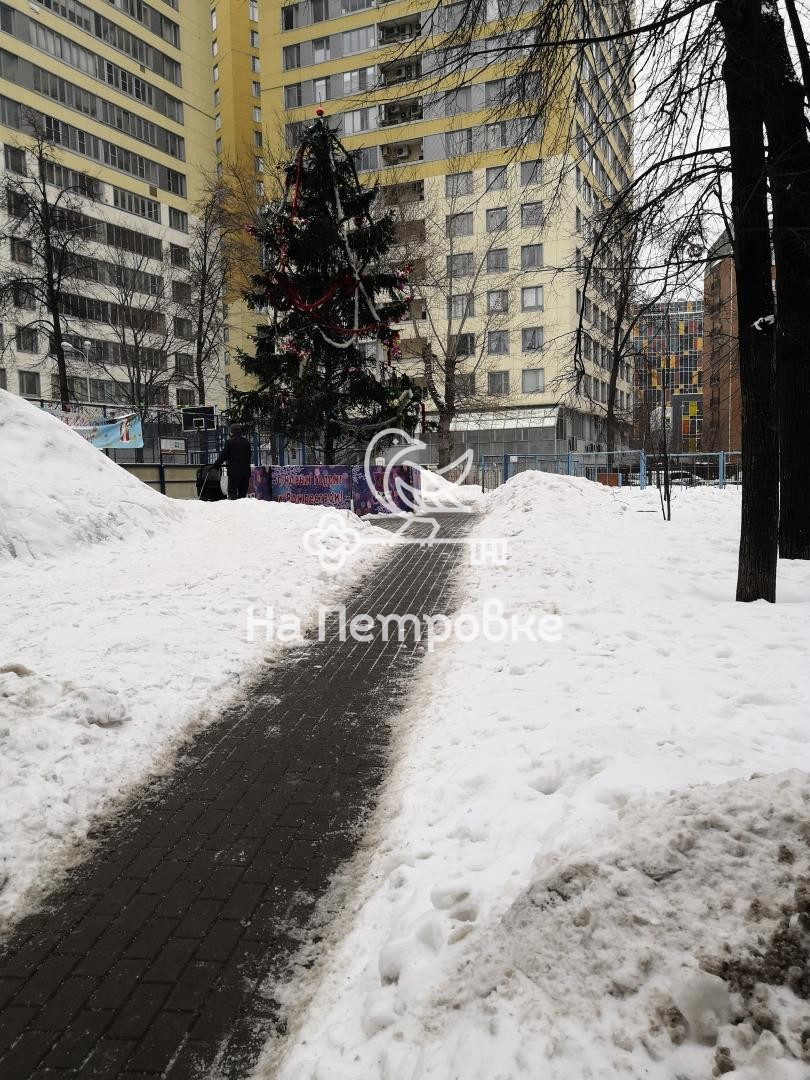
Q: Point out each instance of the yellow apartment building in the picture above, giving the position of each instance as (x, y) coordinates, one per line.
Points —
(122, 89)
(499, 273)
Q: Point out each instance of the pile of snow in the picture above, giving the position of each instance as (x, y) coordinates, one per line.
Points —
(528, 771)
(439, 493)
(55, 496)
(124, 626)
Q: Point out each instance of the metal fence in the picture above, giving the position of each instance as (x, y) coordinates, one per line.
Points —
(619, 468)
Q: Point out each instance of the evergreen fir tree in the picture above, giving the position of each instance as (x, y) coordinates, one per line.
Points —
(328, 290)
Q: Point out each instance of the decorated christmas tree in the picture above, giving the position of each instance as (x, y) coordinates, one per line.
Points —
(328, 292)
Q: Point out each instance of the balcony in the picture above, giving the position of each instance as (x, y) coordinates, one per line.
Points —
(403, 153)
(399, 31)
(400, 112)
(401, 71)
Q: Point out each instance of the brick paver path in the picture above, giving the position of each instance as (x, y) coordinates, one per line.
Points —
(149, 961)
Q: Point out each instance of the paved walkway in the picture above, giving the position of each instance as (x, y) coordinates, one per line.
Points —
(149, 961)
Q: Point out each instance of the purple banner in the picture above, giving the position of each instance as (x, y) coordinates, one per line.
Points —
(312, 485)
(365, 499)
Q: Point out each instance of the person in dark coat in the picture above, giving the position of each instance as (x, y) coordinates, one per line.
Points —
(236, 455)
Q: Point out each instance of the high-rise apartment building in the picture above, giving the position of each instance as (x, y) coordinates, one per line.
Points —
(497, 272)
(122, 91)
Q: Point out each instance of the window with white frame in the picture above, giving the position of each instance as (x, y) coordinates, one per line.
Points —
(292, 57)
(464, 344)
(253, 10)
(533, 380)
(531, 257)
(321, 89)
(359, 120)
(355, 41)
(29, 383)
(321, 50)
(531, 298)
(458, 142)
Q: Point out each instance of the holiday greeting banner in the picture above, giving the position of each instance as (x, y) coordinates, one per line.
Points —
(373, 500)
(313, 485)
(121, 433)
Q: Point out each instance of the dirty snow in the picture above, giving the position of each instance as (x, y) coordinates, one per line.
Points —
(570, 829)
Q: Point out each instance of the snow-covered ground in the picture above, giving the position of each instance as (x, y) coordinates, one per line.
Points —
(571, 862)
(124, 624)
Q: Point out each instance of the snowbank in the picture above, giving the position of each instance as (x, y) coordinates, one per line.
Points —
(528, 770)
(55, 496)
(124, 625)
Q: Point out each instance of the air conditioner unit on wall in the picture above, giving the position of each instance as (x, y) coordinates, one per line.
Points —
(403, 152)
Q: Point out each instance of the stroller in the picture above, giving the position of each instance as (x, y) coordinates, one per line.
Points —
(209, 484)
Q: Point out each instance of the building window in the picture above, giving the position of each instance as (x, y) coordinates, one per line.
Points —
(494, 92)
(532, 338)
(498, 342)
(533, 380)
(215, 72)
(496, 178)
(359, 40)
(253, 39)
(213, 19)
(26, 340)
(257, 114)
(320, 10)
(290, 17)
(257, 139)
(256, 88)
(22, 251)
(531, 298)
(465, 381)
(531, 214)
(178, 219)
(258, 164)
(459, 224)
(292, 96)
(181, 292)
(183, 328)
(179, 256)
(321, 88)
(497, 260)
(186, 396)
(531, 257)
(218, 147)
(217, 97)
(457, 101)
(255, 65)
(3, 380)
(217, 122)
(183, 364)
(15, 160)
(496, 219)
(215, 47)
(460, 265)
(253, 10)
(29, 383)
(292, 57)
(497, 135)
(498, 383)
(457, 143)
(531, 172)
(458, 184)
(460, 306)
(497, 301)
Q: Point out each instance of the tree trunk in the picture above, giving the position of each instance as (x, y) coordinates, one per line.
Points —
(756, 574)
(444, 438)
(789, 171)
(51, 295)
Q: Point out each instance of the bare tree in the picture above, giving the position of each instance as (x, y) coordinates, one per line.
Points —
(465, 292)
(49, 234)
